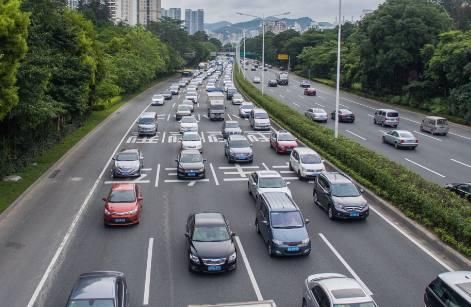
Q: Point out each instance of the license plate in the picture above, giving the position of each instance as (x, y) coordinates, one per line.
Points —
(354, 214)
(191, 174)
(119, 220)
(214, 268)
(242, 158)
(293, 249)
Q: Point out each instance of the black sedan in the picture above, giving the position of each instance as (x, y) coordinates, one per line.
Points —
(190, 164)
(345, 116)
(210, 243)
(272, 83)
(462, 189)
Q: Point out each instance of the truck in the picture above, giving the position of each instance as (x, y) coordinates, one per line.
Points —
(216, 107)
(268, 303)
(203, 65)
(282, 78)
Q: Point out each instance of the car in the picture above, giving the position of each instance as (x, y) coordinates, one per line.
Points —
(245, 109)
(305, 84)
(280, 223)
(386, 117)
(123, 205)
(210, 87)
(182, 110)
(188, 123)
(127, 163)
(332, 289)
(167, 95)
(434, 125)
(310, 91)
(306, 162)
(339, 196)
(237, 99)
(282, 141)
(400, 139)
(256, 80)
(269, 66)
(210, 243)
(231, 91)
(188, 103)
(147, 124)
(101, 288)
(272, 83)
(345, 116)
(182, 84)
(191, 140)
(174, 89)
(190, 164)
(238, 149)
(462, 189)
(316, 114)
(158, 100)
(259, 119)
(193, 96)
(230, 127)
(253, 68)
(229, 86)
(266, 181)
(449, 289)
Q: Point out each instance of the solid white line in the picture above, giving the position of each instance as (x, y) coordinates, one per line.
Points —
(358, 136)
(345, 264)
(360, 104)
(296, 104)
(291, 178)
(425, 168)
(236, 116)
(402, 232)
(427, 136)
(228, 115)
(146, 169)
(265, 166)
(236, 179)
(163, 137)
(157, 176)
(214, 174)
(148, 271)
(168, 117)
(320, 105)
(249, 270)
(461, 136)
(280, 166)
(287, 172)
(185, 181)
(462, 163)
(75, 221)
(370, 115)
(237, 173)
(410, 120)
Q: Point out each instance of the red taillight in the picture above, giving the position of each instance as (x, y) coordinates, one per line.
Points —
(417, 141)
(402, 141)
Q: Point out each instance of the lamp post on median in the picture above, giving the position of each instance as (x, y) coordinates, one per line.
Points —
(337, 91)
(263, 41)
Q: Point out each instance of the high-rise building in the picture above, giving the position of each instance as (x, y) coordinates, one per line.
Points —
(175, 13)
(194, 20)
(73, 3)
(148, 11)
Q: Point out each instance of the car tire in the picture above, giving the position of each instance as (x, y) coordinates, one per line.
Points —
(315, 199)
(257, 228)
(304, 303)
(269, 249)
(374, 121)
(299, 175)
(395, 145)
(248, 188)
(290, 167)
(382, 124)
(330, 213)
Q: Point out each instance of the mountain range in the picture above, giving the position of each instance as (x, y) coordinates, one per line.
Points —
(225, 27)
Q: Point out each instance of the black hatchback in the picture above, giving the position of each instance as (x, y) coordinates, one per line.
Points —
(272, 83)
(210, 243)
(100, 288)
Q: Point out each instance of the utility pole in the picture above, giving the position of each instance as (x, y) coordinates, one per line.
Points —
(337, 92)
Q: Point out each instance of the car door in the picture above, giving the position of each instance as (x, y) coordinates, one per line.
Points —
(189, 230)
(273, 139)
(294, 159)
(323, 193)
(264, 227)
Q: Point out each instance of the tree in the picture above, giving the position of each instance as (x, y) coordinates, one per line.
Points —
(13, 47)
(97, 11)
(460, 11)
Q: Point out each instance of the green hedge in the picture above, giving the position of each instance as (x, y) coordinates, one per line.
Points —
(106, 104)
(441, 211)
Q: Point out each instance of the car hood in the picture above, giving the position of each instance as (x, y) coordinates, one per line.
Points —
(349, 201)
(195, 165)
(127, 164)
(240, 150)
(120, 207)
(290, 234)
(222, 249)
(313, 166)
(288, 143)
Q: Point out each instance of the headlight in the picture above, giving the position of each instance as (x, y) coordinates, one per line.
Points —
(338, 206)
(277, 242)
(201, 169)
(107, 212)
(365, 206)
(304, 169)
(233, 257)
(132, 212)
(194, 258)
(305, 241)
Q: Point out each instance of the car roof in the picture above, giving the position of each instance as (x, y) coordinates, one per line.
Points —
(352, 291)
(268, 174)
(209, 218)
(190, 152)
(460, 281)
(96, 285)
(336, 177)
(305, 150)
(259, 110)
(387, 110)
(279, 201)
(435, 117)
(148, 114)
(402, 131)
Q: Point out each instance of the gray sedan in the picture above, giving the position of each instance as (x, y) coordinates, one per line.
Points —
(238, 149)
(400, 139)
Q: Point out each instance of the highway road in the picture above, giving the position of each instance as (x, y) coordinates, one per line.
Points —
(56, 231)
(441, 159)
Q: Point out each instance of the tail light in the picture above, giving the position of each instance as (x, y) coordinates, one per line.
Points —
(417, 141)
(402, 141)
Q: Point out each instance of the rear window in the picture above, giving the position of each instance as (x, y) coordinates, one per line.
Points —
(261, 115)
(348, 293)
(392, 114)
(442, 122)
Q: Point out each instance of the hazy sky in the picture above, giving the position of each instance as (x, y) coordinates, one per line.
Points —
(319, 10)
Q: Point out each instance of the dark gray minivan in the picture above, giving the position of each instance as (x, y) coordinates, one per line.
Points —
(281, 225)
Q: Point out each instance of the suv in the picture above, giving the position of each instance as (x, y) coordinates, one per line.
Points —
(449, 289)
(386, 117)
(266, 181)
(337, 194)
(281, 225)
(259, 119)
(147, 124)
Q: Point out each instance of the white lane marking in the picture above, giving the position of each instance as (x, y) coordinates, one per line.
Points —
(236, 116)
(287, 172)
(199, 116)
(425, 168)
(173, 105)
(184, 181)
(241, 173)
(296, 104)
(426, 135)
(235, 167)
(320, 105)
(462, 163)
(202, 137)
(281, 166)
(163, 137)
(145, 301)
(192, 183)
(146, 169)
(170, 168)
(461, 136)
(346, 265)
(370, 115)
(228, 115)
(265, 166)
(236, 179)
(358, 136)
(410, 120)
(168, 117)
(410, 238)
(172, 174)
(157, 176)
(75, 221)
(214, 174)
(360, 104)
(249, 270)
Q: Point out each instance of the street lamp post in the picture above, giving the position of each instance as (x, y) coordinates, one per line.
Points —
(244, 55)
(337, 91)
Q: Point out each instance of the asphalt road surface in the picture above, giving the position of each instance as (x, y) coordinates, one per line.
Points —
(441, 159)
(56, 231)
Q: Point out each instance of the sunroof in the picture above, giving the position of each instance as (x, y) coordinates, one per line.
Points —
(466, 287)
(348, 293)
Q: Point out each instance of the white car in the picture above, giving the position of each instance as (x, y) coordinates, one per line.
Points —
(188, 123)
(188, 103)
(193, 96)
(237, 99)
(228, 86)
(191, 140)
(158, 100)
(191, 88)
(267, 181)
(306, 162)
(256, 80)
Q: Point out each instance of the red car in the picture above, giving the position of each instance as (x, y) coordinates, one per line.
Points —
(310, 91)
(123, 205)
(282, 141)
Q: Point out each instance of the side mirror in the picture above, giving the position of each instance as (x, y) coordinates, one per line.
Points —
(288, 183)
(114, 158)
(307, 221)
(104, 199)
(254, 184)
(187, 235)
(233, 234)
(322, 161)
(264, 222)
(362, 191)
(140, 198)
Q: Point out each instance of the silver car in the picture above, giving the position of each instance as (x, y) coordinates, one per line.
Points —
(257, 80)
(401, 139)
(238, 149)
(267, 181)
(332, 289)
(230, 127)
(237, 99)
(245, 109)
(316, 114)
(127, 163)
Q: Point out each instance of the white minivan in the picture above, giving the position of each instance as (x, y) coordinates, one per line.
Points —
(306, 162)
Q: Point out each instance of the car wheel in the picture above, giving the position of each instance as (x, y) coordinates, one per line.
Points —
(330, 213)
(395, 145)
(413, 147)
(316, 199)
(299, 175)
(248, 188)
(382, 124)
(304, 303)
(270, 250)
(257, 228)
(290, 167)
(374, 121)
(384, 140)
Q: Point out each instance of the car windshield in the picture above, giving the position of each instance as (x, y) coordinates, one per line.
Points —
(91, 303)
(345, 190)
(191, 158)
(261, 115)
(146, 121)
(288, 219)
(368, 304)
(406, 135)
(393, 114)
(286, 137)
(158, 97)
(188, 120)
(210, 233)
(232, 125)
(276, 182)
(127, 156)
(239, 144)
(122, 196)
(310, 159)
(247, 106)
(190, 137)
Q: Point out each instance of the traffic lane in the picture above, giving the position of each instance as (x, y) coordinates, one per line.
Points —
(34, 228)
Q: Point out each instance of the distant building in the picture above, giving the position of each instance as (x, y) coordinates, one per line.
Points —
(194, 20)
(275, 26)
(73, 3)
(148, 11)
(175, 13)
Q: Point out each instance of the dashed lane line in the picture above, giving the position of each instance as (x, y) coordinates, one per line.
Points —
(249, 270)
(358, 136)
(462, 163)
(425, 168)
